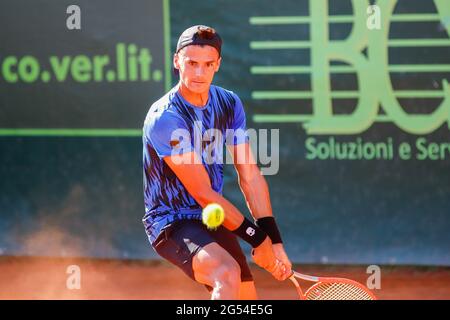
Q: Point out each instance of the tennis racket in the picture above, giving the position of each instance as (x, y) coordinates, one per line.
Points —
(328, 288)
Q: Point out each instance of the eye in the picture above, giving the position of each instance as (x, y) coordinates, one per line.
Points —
(210, 64)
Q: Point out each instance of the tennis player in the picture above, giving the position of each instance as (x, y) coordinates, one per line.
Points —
(179, 180)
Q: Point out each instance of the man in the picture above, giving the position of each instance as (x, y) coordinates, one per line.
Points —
(179, 181)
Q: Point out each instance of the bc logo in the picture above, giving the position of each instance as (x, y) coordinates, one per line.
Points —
(372, 70)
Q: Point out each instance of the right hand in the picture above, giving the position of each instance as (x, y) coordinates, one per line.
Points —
(264, 257)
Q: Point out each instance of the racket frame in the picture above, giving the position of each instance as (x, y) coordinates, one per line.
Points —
(320, 280)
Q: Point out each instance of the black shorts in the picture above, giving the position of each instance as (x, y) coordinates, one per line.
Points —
(181, 241)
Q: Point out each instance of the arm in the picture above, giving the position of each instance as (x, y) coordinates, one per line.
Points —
(194, 177)
(252, 183)
(256, 193)
(196, 181)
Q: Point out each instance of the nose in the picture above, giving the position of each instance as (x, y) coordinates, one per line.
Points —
(199, 71)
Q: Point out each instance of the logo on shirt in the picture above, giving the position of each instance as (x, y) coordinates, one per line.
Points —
(174, 143)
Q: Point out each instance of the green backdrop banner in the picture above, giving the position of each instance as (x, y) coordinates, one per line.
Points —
(358, 90)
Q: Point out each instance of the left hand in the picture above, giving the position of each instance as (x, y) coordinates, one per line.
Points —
(281, 255)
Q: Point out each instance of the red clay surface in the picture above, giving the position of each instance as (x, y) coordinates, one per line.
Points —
(45, 278)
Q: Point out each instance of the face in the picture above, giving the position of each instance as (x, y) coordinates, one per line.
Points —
(197, 66)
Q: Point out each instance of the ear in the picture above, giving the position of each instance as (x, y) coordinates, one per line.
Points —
(218, 64)
(176, 61)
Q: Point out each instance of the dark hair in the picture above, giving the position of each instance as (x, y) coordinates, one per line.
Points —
(206, 33)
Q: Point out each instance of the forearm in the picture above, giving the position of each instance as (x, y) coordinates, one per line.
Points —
(256, 194)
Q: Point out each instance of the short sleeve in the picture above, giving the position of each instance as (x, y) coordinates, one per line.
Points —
(239, 123)
(168, 134)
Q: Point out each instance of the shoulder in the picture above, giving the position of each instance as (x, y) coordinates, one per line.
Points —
(162, 115)
(225, 94)
(162, 110)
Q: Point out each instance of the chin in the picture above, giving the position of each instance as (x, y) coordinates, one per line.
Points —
(197, 88)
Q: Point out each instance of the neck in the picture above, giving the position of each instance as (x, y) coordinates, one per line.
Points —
(196, 99)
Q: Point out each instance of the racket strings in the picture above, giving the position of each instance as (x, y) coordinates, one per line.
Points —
(337, 291)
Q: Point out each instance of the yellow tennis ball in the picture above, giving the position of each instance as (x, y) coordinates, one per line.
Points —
(213, 215)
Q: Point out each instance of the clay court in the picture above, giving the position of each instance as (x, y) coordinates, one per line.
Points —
(45, 278)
